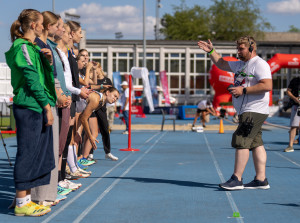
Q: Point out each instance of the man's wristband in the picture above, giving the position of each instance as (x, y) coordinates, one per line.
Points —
(101, 86)
(210, 53)
(244, 90)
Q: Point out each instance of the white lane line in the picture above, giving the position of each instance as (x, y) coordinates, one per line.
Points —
(87, 188)
(228, 194)
(293, 162)
(284, 157)
(151, 138)
(115, 182)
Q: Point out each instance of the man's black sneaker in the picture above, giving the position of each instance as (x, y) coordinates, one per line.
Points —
(232, 184)
(257, 184)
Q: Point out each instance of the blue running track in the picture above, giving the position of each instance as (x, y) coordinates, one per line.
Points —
(173, 179)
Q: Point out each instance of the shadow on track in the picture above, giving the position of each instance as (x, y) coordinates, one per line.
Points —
(288, 205)
(164, 181)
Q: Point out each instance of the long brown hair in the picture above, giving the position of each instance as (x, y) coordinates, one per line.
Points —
(74, 26)
(110, 89)
(49, 19)
(22, 24)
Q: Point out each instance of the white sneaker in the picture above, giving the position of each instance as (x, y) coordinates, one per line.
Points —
(71, 185)
(63, 184)
(47, 203)
(84, 171)
(68, 184)
(111, 156)
(79, 174)
(91, 156)
(125, 133)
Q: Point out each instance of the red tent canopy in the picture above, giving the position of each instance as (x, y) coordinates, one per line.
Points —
(220, 79)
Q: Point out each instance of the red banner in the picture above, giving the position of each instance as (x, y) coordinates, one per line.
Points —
(164, 83)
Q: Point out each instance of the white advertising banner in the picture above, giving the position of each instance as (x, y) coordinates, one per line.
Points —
(142, 72)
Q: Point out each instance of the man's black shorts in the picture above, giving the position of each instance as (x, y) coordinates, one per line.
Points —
(200, 110)
(254, 139)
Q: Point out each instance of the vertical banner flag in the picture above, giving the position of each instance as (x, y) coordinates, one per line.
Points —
(152, 80)
(142, 72)
(117, 81)
(164, 83)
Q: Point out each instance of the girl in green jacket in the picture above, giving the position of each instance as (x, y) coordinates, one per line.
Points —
(34, 94)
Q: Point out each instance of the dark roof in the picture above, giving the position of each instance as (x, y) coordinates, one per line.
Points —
(182, 42)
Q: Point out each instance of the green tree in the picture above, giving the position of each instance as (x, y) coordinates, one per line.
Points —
(224, 20)
(294, 29)
(186, 23)
(234, 18)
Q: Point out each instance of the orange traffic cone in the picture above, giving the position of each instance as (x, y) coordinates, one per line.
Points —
(221, 129)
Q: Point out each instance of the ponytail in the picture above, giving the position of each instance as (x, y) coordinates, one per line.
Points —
(15, 31)
(22, 24)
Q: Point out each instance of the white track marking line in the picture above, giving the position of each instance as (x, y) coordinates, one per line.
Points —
(228, 194)
(284, 157)
(115, 182)
(87, 188)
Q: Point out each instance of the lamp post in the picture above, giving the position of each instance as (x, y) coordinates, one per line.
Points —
(53, 6)
(144, 33)
(158, 5)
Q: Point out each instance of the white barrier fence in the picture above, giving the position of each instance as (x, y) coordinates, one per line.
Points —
(6, 90)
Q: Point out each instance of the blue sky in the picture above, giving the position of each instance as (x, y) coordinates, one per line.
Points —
(102, 18)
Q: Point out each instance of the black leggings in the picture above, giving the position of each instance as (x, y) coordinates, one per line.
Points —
(103, 126)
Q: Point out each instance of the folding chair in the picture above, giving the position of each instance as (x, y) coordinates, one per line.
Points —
(167, 117)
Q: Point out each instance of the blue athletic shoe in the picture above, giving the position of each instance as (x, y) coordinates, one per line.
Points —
(60, 197)
(81, 166)
(257, 184)
(232, 184)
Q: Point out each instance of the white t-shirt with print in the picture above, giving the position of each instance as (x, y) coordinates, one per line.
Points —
(256, 70)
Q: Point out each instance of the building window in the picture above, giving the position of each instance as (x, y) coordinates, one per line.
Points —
(122, 62)
(101, 58)
(199, 73)
(152, 61)
(175, 68)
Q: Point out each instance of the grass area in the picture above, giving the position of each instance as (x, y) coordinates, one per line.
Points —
(5, 122)
(8, 135)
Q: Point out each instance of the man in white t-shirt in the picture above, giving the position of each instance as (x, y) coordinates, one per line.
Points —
(204, 108)
(125, 103)
(250, 93)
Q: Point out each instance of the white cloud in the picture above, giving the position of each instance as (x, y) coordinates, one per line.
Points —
(102, 22)
(288, 6)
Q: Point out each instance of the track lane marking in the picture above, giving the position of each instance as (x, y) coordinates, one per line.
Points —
(91, 185)
(282, 156)
(115, 182)
(228, 194)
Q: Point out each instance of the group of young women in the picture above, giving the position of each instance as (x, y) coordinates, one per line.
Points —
(58, 95)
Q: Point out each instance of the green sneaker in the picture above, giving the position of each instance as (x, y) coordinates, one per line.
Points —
(31, 209)
(63, 191)
(86, 162)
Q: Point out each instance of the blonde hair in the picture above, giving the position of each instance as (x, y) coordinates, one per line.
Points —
(74, 26)
(49, 18)
(247, 40)
(22, 24)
